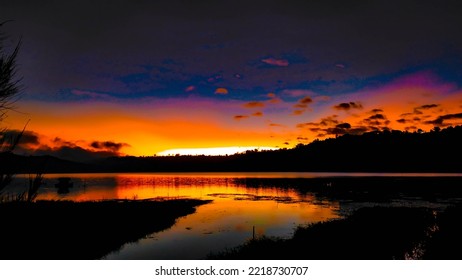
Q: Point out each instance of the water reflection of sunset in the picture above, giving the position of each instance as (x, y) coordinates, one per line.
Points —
(233, 203)
(235, 210)
(237, 206)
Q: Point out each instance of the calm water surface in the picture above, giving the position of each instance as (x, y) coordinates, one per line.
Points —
(235, 211)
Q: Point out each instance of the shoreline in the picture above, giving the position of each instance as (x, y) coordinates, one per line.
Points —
(369, 233)
(49, 230)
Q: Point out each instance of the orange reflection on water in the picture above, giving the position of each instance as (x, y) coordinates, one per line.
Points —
(234, 203)
(80, 194)
(86, 187)
(240, 207)
(229, 214)
(234, 206)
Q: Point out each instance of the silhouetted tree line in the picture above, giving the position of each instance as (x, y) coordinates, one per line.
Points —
(436, 151)
(389, 151)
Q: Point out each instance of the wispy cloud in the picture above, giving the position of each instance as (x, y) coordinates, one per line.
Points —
(108, 145)
(378, 117)
(222, 91)
(441, 120)
(376, 111)
(376, 120)
(254, 104)
(31, 143)
(297, 112)
(189, 88)
(302, 105)
(330, 120)
(326, 121)
(276, 125)
(240, 117)
(90, 94)
(427, 106)
(418, 110)
(348, 106)
(321, 98)
(417, 115)
(305, 100)
(273, 99)
(276, 62)
(343, 125)
(297, 92)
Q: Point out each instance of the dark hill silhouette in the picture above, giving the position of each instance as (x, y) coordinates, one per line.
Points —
(387, 151)
(15, 164)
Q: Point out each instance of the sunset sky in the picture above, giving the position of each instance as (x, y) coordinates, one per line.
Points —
(141, 77)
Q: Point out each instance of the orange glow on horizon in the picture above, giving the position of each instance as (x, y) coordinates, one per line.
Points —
(212, 151)
(145, 135)
(206, 126)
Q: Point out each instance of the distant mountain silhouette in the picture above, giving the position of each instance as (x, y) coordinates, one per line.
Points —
(439, 150)
(12, 163)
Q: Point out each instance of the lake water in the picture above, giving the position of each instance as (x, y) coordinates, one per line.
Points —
(239, 207)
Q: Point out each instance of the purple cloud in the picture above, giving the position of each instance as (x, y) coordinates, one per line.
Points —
(276, 62)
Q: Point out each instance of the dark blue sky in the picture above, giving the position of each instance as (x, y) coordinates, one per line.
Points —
(160, 48)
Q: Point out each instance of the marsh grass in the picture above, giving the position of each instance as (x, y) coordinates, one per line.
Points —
(446, 242)
(7, 144)
(34, 184)
(377, 233)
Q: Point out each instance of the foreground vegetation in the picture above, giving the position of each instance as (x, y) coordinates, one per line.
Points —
(377, 233)
(446, 243)
(82, 230)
